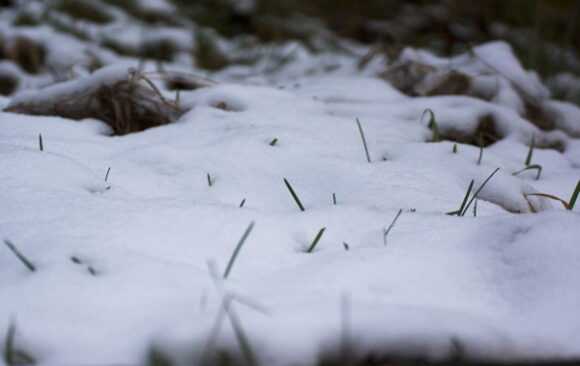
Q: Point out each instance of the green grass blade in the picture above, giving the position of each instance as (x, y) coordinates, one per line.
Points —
(315, 241)
(433, 125)
(480, 143)
(574, 196)
(529, 167)
(209, 181)
(458, 212)
(294, 194)
(477, 192)
(19, 255)
(454, 150)
(386, 232)
(362, 135)
(273, 142)
(531, 150)
(107, 175)
(334, 198)
(40, 143)
(237, 250)
(243, 203)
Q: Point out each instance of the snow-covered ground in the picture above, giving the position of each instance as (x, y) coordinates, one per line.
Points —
(135, 263)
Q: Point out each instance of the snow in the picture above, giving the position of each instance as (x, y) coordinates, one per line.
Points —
(502, 285)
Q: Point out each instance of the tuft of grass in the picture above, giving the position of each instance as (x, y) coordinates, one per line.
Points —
(462, 207)
(480, 143)
(433, 125)
(294, 195)
(242, 203)
(316, 240)
(567, 205)
(40, 143)
(20, 256)
(334, 198)
(209, 180)
(12, 355)
(273, 142)
(530, 167)
(386, 231)
(477, 192)
(364, 141)
(237, 250)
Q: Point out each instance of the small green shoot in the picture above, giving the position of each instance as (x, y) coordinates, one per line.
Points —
(462, 207)
(315, 241)
(40, 143)
(433, 125)
(567, 205)
(480, 143)
(454, 150)
(531, 151)
(107, 175)
(529, 167)
(345, 246)
(477, 192)
(12, 355)
(209, 180)
(386, 231)
(242, 203)
(334, 198)
(20, 256)
(293, 194)
(273, 142)
(237, 250)
(364, 141)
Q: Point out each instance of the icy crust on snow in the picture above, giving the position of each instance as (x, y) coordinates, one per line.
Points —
(501, 286)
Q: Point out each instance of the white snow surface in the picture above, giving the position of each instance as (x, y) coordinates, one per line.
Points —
(503, 285)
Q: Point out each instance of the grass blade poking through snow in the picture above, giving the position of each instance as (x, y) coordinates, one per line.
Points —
(293, 194)
(12, 355)
(273, 142)
(529, 167)
(433, 126)
(480, 143)
(567, 205)
(237, 250)
(334, 198)
(209, 180)
(315, 241)
(477, 192)
(40, 143)
(386, 232)
(458, 212)
(243, 202)
(364, 141)
(19, 255)
(531, 151)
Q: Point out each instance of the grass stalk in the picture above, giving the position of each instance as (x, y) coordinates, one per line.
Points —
(40, 143)
(242, 203)
(20, 256)
(458, 212)
(477, 192)
(364, 141)
(107, 175)
(334, 198)
(273, 142)
(209, 180)
(315, 241)
(237, 250)
(454, 150)
(386, 232)
(294, 195)
(480, 143)
(529, 167)
(530, 151)
(433, 125)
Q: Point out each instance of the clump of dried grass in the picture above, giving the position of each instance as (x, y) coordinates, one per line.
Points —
(24, 52)
(128, 103)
